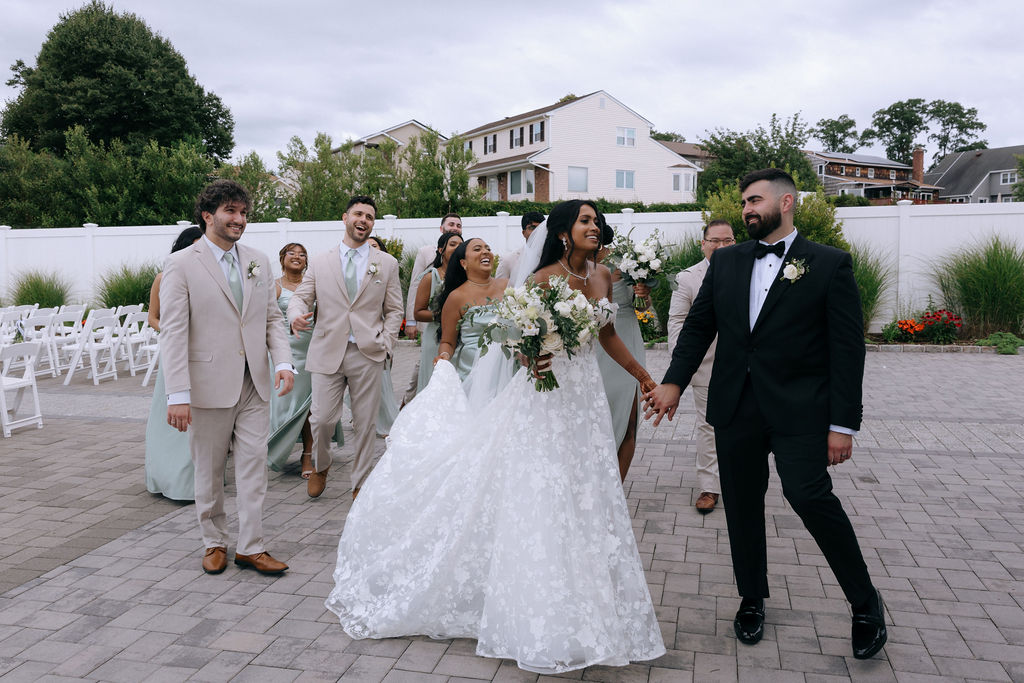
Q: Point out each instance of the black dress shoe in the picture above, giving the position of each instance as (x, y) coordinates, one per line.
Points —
(749, 621)
(868, 632)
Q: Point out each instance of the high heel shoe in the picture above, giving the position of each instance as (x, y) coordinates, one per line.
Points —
(306, 464)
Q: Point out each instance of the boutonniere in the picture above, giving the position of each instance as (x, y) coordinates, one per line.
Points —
(254, 270)
(794, 270)
(372, 270)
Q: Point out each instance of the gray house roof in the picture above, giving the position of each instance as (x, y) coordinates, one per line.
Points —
(864, 159)
(960, 172)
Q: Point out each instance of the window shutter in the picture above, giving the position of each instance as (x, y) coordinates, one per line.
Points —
(511, 139)
(531, 133)
(522, 135)
(542, 131)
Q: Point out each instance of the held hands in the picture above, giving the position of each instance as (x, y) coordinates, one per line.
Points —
(284, 380)
(179, 416)
(840, 447)
(301, 324)
(444, 354)
(662, 401)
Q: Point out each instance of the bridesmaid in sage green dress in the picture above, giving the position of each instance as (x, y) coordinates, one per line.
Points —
(169, 470)
(289, 414)
(467, 285)
(429, 288)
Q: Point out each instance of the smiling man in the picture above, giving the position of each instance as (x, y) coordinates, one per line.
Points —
(358, 299)
(219, 318)
(786, 380)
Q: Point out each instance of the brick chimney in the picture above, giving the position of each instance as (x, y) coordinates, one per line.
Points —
(918, 165)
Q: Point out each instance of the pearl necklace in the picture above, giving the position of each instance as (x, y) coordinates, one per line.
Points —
(585, 278)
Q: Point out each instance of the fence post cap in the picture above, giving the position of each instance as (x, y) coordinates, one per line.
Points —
(627, 209)
(183, 224)
(284, 220)
(503, 213)
(390, 216)
(5, 227)
(90, 225)
(905, 202)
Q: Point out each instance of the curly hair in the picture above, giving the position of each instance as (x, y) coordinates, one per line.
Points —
(217, 194)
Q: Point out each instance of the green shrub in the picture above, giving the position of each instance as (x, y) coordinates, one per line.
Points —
(849, 200)
(985, 284)
(680, 257)
(1005, 343)
(127, 285)
(874, 277)
(37, 287)
(406, 260)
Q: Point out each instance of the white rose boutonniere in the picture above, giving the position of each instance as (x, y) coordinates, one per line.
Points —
(794, 270)
(254, 270)
(372, 270)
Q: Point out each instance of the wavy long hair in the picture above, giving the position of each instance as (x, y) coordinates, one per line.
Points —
(442, 244)
(560, 221)
(454, 277)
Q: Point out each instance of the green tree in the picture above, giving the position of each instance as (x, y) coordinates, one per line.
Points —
(32, 191)
(326, 178)
(455, 162)
(109, 73)
(956, 128)
(897, 126)
(837, 135)
(780, 145)
(380, 175)
(1018, 189)
(268, 201)
(667, 136)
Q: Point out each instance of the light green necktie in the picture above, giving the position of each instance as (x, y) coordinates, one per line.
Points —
(350, 276)
(234, 279)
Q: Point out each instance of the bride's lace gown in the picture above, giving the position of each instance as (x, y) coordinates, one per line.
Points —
(505, 523)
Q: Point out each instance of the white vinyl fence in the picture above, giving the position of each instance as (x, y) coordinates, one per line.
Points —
(911, 237)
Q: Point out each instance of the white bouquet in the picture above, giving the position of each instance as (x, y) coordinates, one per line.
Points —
(642, 263)
(534, 321)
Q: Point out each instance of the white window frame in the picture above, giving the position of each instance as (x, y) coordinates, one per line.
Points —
(493, 192)
(518, 137)
(490, 144)
(892, 174)
(842, 171)
(625, 137)
(677, 182)
(537, 131)
(983, 200)
(871, 173)
(625, 179)
(858, 172)
(1007, 198)
(585, 175)
(1008, 178)
(511, 191)
(691, 182)
(821, 169)
(529, 184)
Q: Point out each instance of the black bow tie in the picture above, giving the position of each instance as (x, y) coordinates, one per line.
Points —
(761, 249)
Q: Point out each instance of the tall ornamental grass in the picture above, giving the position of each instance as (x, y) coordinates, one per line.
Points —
(37, 287)
(985, 284)
(127, 285)
(874, 278)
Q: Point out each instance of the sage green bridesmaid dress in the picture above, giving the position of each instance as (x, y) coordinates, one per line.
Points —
(169, 470)
(621, 387)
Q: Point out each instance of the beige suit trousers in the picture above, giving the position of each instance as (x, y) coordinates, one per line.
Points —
(707, 456)
(241, 430)
(361, 376)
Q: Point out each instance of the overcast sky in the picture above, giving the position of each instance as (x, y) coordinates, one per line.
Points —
(296, 67)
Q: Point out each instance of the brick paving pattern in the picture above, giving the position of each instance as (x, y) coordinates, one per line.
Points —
(100, 580)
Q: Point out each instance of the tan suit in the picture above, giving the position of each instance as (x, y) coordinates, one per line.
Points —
(373, 319)
(682, 299)
(219, 355)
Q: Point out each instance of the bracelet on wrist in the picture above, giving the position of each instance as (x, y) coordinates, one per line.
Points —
(445, 355)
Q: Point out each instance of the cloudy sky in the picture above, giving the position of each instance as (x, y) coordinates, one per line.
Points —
(296, 67)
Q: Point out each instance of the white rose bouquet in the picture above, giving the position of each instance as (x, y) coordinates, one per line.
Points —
(642, 263)
(534, 321)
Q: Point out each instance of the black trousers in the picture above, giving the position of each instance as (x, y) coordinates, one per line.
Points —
(802, 464)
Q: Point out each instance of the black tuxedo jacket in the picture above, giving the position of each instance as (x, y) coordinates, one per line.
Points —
(805, 353)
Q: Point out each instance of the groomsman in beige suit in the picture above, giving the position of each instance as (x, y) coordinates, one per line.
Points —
(358, 314)
(219, 318)
(717, 233)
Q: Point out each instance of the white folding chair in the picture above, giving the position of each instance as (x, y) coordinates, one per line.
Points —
(152, 351)
(135, 333)
(95, 339)
(9, 325)
(39, 328)
(21, 355)
(73, 308)
(128, 310)
(25, 309)
(47, 311)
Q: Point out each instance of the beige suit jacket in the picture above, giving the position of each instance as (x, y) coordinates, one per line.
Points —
(374, 317)
(205, 341)
(682, 300)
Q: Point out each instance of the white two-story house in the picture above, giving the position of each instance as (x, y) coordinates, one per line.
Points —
(590, 147)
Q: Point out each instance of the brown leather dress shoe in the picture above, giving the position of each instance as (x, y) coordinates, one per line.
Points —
(215, 560)
(355, 492)
(706, 502)
(261, 562)
(317, 483)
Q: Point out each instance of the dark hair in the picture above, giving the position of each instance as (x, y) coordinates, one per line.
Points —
(217, 194)
(362, 199)
(532, 217)
(186, 237)
(607, 232)
(454, 277)
(717, 221)
(560, 221)
(290, 245)
(380, 243)
(776, 176)
(450, 215)
(442, 244)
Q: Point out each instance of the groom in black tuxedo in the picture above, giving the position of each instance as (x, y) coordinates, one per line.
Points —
(787, 380)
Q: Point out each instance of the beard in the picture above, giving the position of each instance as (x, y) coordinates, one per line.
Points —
(764, 225)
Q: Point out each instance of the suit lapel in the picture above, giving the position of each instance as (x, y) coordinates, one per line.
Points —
(744, 271)
(334, 264)
(367, 275)
(780, 286)
(212, 267)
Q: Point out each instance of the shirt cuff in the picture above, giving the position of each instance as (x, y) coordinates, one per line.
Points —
(179, 397)
(284, 366)
(842, 430)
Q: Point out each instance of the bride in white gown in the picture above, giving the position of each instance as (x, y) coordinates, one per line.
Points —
(505, 521)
